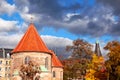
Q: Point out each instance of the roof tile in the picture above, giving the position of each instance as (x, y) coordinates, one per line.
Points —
(55, 61)
(31, 41)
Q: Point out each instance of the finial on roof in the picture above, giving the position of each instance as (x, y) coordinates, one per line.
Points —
(97, 41)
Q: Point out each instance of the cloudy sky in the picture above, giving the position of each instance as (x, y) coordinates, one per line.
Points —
(59, 22)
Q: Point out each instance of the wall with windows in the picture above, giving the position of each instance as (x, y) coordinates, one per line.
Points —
(57, 73)
(41, 59)
(5, 68)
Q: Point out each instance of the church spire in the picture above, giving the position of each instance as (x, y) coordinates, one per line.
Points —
(97, 49)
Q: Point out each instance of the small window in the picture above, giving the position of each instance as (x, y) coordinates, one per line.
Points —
(46, 62)
(7, 62)
(8, 55)
(5, 75)
(27, 59)
(0, 69)
(0, 75)
(5, 68)
(9, 68)
(1, 62)
(54, 75)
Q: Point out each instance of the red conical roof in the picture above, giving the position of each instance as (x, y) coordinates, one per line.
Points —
(55, 61)
(31, 41)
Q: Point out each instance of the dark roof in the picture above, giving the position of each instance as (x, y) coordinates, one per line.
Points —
(4, 52)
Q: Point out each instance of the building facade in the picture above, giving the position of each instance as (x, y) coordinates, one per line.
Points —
(5, 62)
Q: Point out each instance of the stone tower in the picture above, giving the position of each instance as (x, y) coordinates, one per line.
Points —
(31, 47)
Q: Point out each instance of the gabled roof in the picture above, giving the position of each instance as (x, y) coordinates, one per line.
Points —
(31, 41)
(55, 61)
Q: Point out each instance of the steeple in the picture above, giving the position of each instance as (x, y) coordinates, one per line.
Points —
(31, 42)
(97, 49)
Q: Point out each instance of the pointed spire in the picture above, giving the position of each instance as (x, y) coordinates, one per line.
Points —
(31, 41)
(97, 49)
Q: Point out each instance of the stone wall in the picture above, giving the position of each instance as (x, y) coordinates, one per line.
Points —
(58, 73)
(36, 57)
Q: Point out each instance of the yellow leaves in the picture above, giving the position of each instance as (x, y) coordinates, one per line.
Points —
(118, 70)
(92, 71)
(113, 64)
(90, 75)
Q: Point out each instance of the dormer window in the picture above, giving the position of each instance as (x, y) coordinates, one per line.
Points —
(27, 59)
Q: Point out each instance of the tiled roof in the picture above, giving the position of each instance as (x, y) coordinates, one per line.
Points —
(55, 61)
(31, 41)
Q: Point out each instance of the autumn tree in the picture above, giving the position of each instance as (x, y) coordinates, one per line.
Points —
(81, 54)
(28, 71)
(80, 49)
(113, 63)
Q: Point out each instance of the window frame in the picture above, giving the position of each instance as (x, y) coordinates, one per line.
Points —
(27, 59)
(46, 62)
(54, 74)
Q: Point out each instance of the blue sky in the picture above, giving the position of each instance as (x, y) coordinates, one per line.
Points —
(60, 21)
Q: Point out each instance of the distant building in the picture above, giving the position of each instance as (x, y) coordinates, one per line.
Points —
(5, 63)
(97, 50)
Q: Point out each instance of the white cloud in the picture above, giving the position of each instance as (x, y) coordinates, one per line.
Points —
(54, 41)
(7, 25)
(9, 41)
(69, 15)
(6, 7)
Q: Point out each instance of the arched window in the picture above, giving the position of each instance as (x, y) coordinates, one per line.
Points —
(46, 62)
(27, 59)
(54, 75)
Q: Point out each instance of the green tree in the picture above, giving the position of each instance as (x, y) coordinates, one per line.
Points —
(113, 63)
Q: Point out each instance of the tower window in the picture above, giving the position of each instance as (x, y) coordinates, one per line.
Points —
(27, 59)
(6, 69)
(54, 74)
(46, 62)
